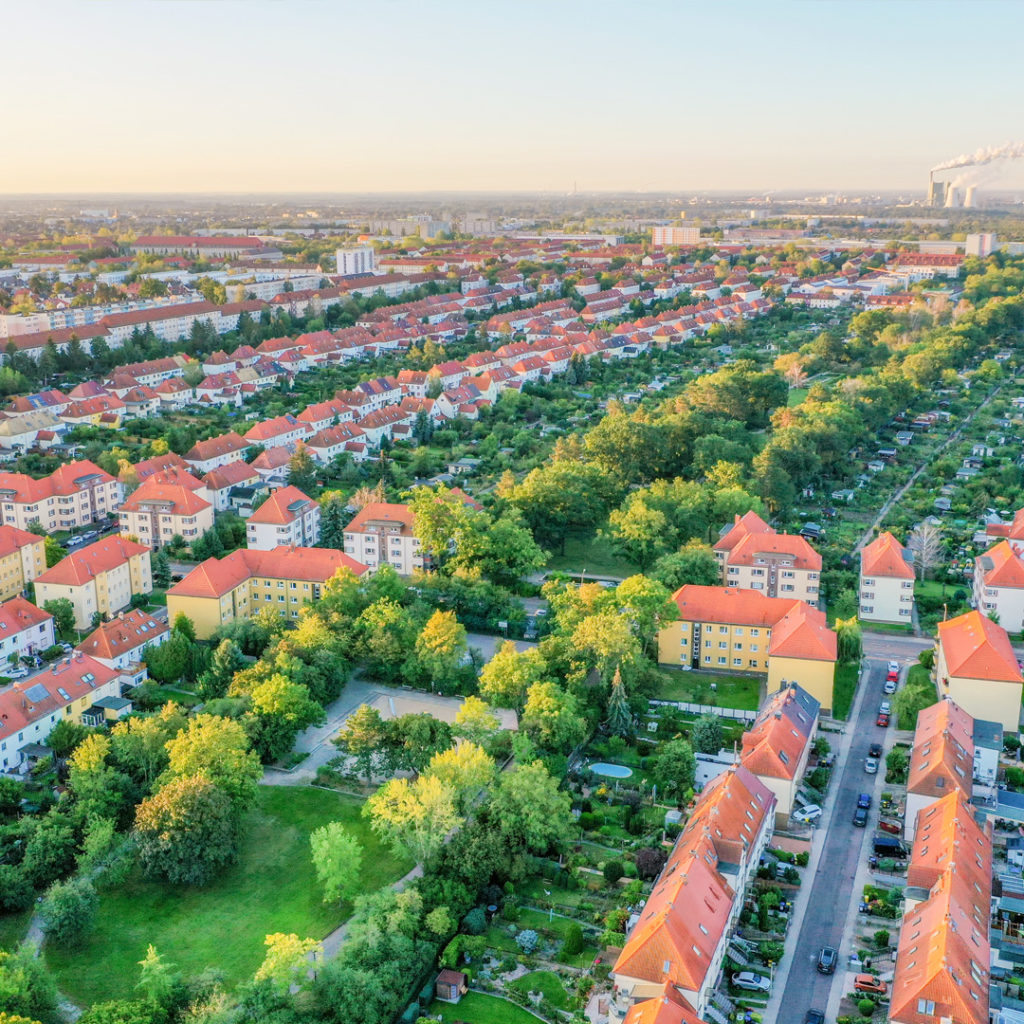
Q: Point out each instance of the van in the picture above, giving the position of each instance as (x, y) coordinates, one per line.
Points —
(888, 846)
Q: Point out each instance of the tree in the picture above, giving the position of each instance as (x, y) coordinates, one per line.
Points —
(183, 627)
(675, 766)
(552, 717)
(68, 910)
(337, 860)
(413, 816)
(649, 862)
(54, 552)
(26, 990)
(161, 569)
(848, 639)
(63, 612)
(333, 520)
(227, 660)
(620, 716)
(124, 1011)
(926, 545)
(505, 679)
(49, 849)
(302, 470)
(64, 737)
(639, 532)
(528, 808)
(139, 745)
(507, 552)
(218, 749)
(362, 737)
(706, 734)
(440, 648)
(607, 641)
(186, 831)
(694, 563)
(465, 770)
(156, 976)
(287, 959)
(475, 721)
(16, 892)
(646, 606)
(572, 945)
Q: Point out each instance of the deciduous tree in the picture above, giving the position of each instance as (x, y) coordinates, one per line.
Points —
(337, 860)
(413, 816)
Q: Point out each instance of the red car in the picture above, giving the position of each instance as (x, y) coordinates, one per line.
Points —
(883, 721)
(892, 677)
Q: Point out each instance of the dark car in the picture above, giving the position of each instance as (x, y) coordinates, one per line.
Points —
(875, 750)
(864, 800)
(814, 1017)
(828, 957)
(882, 720)
(860, 818)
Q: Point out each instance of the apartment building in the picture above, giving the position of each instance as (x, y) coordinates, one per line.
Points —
(121, 643)
(682, 934)
(999, 584)
(167, 505)
(287, 517)
(976, 666)
(886, 581)
(73, 495)
(382, 534)
(22, 559)
(24, 629)
(216, 451)
(102, 577)
(221, 482)
(753, 556)
(221, 590)
(734, 630)
(69, 689)
(778, 744)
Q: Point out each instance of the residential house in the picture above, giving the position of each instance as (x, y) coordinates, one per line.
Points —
(667, 1008)
(167, 505)
(216, 451)
(121, 643)
(999, 584)
(330, 442)
(278, 432)
(976, 667)
(100, 578)
(221, 590)
(381, 534)
(75, 494)
(220, 482)
(886, 581)
(24, 629)
(287, 517)
(22, 559)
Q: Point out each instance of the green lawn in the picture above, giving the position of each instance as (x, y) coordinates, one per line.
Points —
(741, 692)
(917, 693)
(592, 555)
(796, 396)
(844, 688)
(477, 1008)
(13, 928)
(546, 982)
(271, 888)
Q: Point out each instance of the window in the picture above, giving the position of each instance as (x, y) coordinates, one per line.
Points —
(755, 632)
(738, 631)
(737, 661)
(723, 645)
(723, 629)
(926, 1006)
(753, 648)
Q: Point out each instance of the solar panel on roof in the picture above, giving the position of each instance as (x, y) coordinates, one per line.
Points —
(37, 693)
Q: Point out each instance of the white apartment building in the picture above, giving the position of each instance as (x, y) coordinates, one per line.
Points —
(24, 629)
(382, 534)
(75, 494)
(999, 584)
(886, 581)
(357, 262)
(287, 518)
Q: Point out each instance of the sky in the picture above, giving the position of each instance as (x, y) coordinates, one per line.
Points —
(465, 95)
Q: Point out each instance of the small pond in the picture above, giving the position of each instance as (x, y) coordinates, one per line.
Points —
(611, 771)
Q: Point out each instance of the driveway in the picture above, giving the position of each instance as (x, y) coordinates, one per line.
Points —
(487, 644)
(840, 852)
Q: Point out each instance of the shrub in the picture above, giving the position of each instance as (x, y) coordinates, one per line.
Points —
(866, 1007)
(649, 861)
(16, 891)
(527, 940)
(881, 938)
(802, 858)
(475, 922)
(68, 910)
(573, 944)
(589, 822)
(613, 872)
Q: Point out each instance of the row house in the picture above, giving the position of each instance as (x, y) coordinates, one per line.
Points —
(221, 482)
(107, 410)
(279, 432)
(174, 394)
(121, 644)
(218, 451)
(24, 431)
(381, 423)
(320, 415)
(329, 443)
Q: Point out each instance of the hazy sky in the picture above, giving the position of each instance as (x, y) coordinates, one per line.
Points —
(503, 94)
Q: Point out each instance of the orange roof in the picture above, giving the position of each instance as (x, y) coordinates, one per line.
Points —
(282, 507)
(948, 835)
(224, 444)
(975, 647)
(774, 745)
(18, 614)
(1002, 566)
(731, 812)
(668, 1008)
(943, 956)
(803, 633)
(380, 512)
(12, 539)
(743, 525)
(734, 605)
(216, 576)
(886, 556)
(81, 567)
(942, 758)
(128, 632)
(176, 499)
(68, 479)
(232, 474)
(751, 546)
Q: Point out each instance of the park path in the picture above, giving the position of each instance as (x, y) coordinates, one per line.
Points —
(894, 498)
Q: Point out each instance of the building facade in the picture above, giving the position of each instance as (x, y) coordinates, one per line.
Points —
(74, 495)
(999, 584)
(22, 559)
(287, 517)
(382, 534)
(886, 581)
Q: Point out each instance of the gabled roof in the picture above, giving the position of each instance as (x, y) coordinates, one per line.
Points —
(803, 633)
(224, 444)
(667, 1008)
(128, 632)
(886, 556)
(380, 512)
(731, 812)
(947, 834)
(735, 605)
(18, 614)
(231, 475)
(81, 567)
(1002, 566)
(975, 647)
(942, 758)
(12, 539)
(177, 498)
(774, 745)
(284, 506)
(741, 526)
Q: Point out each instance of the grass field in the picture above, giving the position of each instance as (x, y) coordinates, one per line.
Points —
(592, 555)
(13, 928)
(796, 396)
(844, 688)
(546, 982)
(477, 1008)
(695, 688)
(271, 888)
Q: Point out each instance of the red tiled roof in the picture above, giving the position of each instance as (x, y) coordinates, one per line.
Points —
(751, 522)
(12, 539)
(127, 632)
(803, 633)
(18, 614)
(380, 512)
(975, 647)
(1002, 566)
(886, 556)
(82, 566)
(176, 499)
(734, 605)
(282, 507)
(667, 1008)
(750, 546)
(942, 757)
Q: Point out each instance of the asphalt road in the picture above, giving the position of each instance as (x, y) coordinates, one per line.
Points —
(833, 883)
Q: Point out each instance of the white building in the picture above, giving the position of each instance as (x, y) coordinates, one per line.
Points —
(358, 262)
(886, 581)
(382, 534)
(287, 517)
(24, 629)
(999, 584)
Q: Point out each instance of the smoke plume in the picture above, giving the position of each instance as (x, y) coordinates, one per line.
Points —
(985, 155)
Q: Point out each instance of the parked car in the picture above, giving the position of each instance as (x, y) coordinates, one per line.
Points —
(860, 818)
(888, 846)
(893, 666)
(814, 1017)
(882, 720)
(890, 687)
(828, 957)
(864, 800)
(870, 983)
(752, 982)
(875, 750)
(14, 672)
(885, 708)
(807, 815)
(871, 766)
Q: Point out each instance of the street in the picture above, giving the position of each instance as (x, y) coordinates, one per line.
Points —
(843, 850)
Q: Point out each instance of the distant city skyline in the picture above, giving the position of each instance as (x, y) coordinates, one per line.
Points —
(455, 96)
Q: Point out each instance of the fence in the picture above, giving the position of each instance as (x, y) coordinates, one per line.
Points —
(736, 714)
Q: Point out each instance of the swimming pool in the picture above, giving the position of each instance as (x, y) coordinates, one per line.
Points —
(611, 771)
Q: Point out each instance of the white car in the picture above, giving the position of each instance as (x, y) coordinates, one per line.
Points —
(885, 708)
(807, 815)
(893, 666)
(871, 766)
(752, 982)
(890, 687)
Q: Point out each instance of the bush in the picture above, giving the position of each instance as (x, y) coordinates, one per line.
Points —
(589, 822)
(573, 944)
(68, 910)
(16, 892)
(881, 938)
(613, 872)
(866, 1007)
(527, 940)
(475, 922)
(802, 858)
